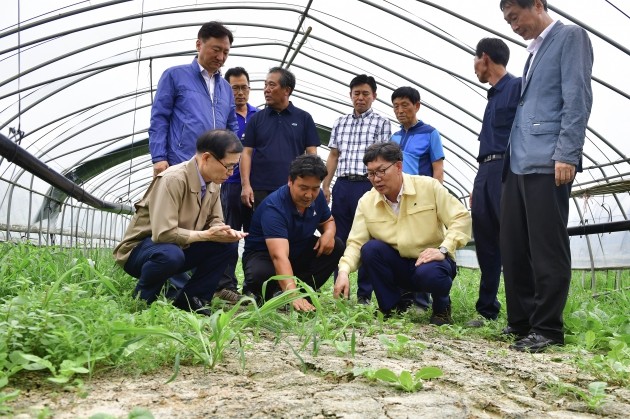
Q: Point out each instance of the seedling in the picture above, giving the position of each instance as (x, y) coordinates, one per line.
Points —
(405, 380)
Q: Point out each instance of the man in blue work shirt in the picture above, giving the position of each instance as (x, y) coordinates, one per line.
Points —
(282, 238)
(235, 213)
(421, 146)
(274, 137)
(191, 99)
(491, 58)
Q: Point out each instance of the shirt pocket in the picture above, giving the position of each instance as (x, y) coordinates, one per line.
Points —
(422, 210)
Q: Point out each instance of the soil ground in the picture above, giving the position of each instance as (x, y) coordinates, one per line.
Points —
(482, 379)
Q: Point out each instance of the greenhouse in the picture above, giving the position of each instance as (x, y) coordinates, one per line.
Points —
(77, 83)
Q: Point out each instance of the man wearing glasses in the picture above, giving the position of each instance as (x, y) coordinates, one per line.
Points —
(191, 99)
(236, 214)
(399, 236)
(178, 226)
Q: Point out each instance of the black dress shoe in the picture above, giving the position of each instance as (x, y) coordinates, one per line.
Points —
(511, 332)
(192, 304)
(257, 298)
(362, 300)
(533, 343)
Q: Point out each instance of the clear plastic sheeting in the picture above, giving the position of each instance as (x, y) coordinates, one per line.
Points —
(77, 81)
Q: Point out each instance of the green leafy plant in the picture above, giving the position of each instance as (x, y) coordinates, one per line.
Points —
(405, 380)
(401, 345)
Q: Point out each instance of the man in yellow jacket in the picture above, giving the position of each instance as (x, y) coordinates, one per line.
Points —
(178, 225)
(399, 235)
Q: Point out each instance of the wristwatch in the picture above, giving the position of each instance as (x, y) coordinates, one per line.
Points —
(443, 250)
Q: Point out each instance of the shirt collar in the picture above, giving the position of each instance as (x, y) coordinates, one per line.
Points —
(398, 197)
(204, 72)
(363, 115)
(536, 43)
(202, 182)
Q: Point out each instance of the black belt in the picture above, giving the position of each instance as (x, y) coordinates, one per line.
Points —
(354, 178)
(491, 157)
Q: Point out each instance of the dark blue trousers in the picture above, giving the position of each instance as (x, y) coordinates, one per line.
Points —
(154, 263)
(392, 275)
(485, 211)
(313, 270)
(345, 197)
(237, 216)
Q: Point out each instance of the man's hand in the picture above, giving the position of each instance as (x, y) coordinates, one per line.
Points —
(325, 244)
(429, 255)
(470, 200)
(326, 190)
(247, 196)
(342, 286)
(159, 167)
(302, 305)
(565, 173)
(223, 234)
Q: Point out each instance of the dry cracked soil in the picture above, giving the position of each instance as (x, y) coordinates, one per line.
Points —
(481, 379)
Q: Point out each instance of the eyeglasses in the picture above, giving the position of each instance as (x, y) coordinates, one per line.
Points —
(371, 174)
(243, 89)
(229, 167)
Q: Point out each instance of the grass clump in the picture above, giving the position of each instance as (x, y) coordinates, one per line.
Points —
(70, 314)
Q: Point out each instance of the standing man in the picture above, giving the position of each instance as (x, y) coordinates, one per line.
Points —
(545, 151)
(405, 234)
(421, 144)
(277, 134)
(236, 214)
(490, 61)
(282, 239)
(191, 99)
(178, 225)
(350, 136)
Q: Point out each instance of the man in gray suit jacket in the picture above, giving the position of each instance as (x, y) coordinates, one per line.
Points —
(545, 151)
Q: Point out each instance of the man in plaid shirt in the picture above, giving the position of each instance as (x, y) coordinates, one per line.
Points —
(351, 135)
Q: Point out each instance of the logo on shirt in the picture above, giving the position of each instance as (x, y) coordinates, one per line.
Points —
(294, 124)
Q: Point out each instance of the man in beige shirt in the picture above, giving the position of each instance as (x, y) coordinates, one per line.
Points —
(178, 225)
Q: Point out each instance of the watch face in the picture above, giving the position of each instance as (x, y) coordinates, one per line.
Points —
(444, 250)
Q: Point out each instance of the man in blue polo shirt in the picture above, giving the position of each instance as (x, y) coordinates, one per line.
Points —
(421, 143)
(421, 146)
(278, 134)
(235, 213)
(282, 238)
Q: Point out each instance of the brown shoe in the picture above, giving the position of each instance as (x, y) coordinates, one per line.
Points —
(228, 295)
(442, 318)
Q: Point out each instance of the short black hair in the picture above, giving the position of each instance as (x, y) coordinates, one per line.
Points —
(389, 151)
(307, 165)
(495, 48)
(407, 92)
(236, 71)
(214, 29)
(524, 4)
(219, 142)
(363, 79)
(287, 79)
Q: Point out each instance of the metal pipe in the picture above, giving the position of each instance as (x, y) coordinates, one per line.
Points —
(16, 154)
